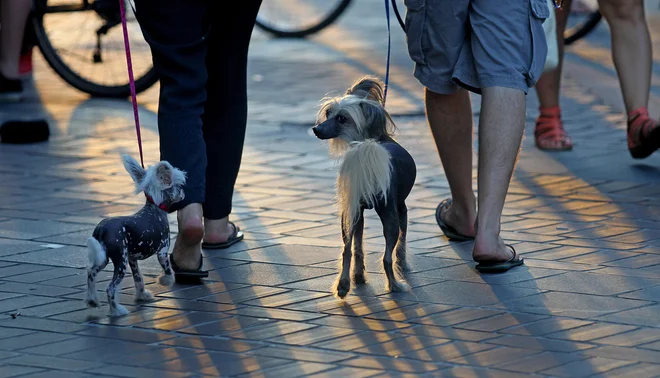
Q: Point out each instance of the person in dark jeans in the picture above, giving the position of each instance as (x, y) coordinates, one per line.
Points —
(200, 51)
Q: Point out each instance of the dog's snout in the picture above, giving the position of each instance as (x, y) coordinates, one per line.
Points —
(316, 131)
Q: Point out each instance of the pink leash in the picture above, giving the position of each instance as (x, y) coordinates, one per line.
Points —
(131, 79)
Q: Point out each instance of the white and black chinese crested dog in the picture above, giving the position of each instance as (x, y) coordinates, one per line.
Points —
(127, 239)
(375, 173)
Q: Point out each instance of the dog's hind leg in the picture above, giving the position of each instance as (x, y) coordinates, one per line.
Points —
(390, 219)
(358, 253)
(98, 261)
(400, 249)
(343, 283)
(141, 294)
(120, 269)
(167, 278)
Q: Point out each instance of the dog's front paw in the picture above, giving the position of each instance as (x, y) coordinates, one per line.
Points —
(144, 296)
(343, 287)
(166, 279)
(92, 302)
(398, 286)
(117, 310)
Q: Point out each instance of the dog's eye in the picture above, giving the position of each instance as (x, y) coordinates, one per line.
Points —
(341, 119)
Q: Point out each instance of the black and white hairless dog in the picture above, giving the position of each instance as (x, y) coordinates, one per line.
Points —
(127, 239)
(375, 173)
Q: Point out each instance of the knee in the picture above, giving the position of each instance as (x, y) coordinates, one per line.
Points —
(622, 10)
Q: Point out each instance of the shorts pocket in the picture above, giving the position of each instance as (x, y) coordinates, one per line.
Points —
(539, 12)
(540, 9)
(415, 26)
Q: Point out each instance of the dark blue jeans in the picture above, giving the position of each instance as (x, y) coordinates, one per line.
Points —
(200, 50)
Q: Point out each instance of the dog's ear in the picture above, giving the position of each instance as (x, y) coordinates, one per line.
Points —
(376, 119)
(134, 169)
(164, 175)
(368, 87)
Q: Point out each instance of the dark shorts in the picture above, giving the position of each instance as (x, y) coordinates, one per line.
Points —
(477, 44)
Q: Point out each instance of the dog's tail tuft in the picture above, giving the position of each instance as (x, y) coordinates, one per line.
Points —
(364, 176)
(96, 253)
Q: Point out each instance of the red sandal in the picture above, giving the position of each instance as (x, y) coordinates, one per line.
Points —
(643, 133)
(549, 134)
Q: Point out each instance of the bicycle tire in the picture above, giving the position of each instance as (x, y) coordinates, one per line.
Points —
(53, 59)
(582, 29)
(301, 33)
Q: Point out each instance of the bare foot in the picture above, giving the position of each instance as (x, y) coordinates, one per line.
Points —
(187, 251)
(493, 249)
(462, 220)
(217, 230)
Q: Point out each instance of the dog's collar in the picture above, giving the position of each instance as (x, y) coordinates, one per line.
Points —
(162, 206)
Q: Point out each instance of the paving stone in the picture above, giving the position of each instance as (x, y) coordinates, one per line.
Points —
(499, 322)
(6, 333)
(130, 372)
(11, 247)
(270, 330)
(493, 356)
(295, 369)
(243, 294)
(312, 336)
(267, 274)
(212, 344)
(36, 289)
(27, 229)
(176, 322)
(289, 255)
(356, 323)
(539, 343)
(303, 354)
(457, 316)
(186, 305)
(402, 346)
(141, 316)
(469, 294)
(641, 370)
(591, 332)
(545, 326)
(223, 326)
(21, 269)
(349, 372)
(285, 298)
(359, 339)
(14, 371)
(538, 362)
(214, 363)
(199, 291)
(409, 313)
(581, 306)
(643, 316)
(280, 314)
(601, 257)
(388, 363)
(473, 372)
(585, 368)
(65, 346)
(632, 338)
(590, 283)
(47, 362)
(127, 334)
(449, 333)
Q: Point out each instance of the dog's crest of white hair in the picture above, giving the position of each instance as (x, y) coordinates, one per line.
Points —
(155, 179)
(364, 176)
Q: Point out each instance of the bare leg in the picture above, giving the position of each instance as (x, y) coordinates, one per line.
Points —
(501, 128)
(400, 249)
(358, 253)
(140, 293)
(13, 17)
(390, 219)
(547, 87)
(343, 282)
(187, 252)
(450, 118)
(631, 49)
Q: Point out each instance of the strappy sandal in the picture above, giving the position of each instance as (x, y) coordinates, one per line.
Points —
(185, 276)
(643, 134)
(449, 231)
(549, 133)
(501, 266)
(235, 237)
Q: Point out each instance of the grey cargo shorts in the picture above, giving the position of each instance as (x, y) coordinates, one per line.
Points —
(477, 43)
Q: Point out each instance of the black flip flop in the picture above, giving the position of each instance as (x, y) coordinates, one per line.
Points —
(449, 231)
(188, 276)
(235, 237)
(502, 266)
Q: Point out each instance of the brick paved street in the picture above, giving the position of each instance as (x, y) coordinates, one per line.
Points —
(587, 302)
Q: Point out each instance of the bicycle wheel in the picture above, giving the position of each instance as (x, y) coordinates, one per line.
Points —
(83, 43)
(298, 18)
(581, 21)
